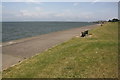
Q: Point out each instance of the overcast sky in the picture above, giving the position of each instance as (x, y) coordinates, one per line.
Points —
(59, 11)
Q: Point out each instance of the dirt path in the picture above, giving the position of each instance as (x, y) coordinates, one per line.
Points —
(18, 50)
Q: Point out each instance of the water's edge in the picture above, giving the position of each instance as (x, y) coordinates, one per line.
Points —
(37, 37)
(19, 30)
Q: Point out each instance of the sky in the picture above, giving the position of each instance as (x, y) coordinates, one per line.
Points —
(59, 11)
(60, 0)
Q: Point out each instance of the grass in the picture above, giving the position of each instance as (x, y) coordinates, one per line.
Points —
(90, 57)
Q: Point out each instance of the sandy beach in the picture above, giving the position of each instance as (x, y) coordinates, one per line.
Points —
(17, 50)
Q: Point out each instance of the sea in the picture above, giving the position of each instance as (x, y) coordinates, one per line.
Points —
(19, 30)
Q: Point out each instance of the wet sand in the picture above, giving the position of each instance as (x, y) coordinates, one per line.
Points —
(17, 50)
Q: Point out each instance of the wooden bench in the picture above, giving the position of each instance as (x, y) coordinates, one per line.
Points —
(84, 33)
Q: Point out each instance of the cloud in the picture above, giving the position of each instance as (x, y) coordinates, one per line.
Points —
(59, 0)
(34, 13)
(40, 13)
(65, 13)
(26, 13)
(21, 1)
(69, 15)
(95, 1)
(37, 12)
(75, 4)
(38, 8)
(32, 2)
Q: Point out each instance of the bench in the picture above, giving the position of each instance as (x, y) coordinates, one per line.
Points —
(84, 33)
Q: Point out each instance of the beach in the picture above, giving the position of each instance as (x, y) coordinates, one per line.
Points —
(17, 50)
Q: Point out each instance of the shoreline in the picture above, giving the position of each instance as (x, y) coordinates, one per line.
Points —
(18, 50)
(11, 42)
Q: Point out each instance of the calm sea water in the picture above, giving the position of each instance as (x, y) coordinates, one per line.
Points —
(18, 30)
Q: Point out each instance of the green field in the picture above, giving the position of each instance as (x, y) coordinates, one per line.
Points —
(94, 56)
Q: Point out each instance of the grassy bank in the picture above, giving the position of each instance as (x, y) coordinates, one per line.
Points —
(90, 57)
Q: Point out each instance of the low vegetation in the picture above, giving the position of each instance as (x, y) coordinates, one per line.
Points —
(94, 56)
